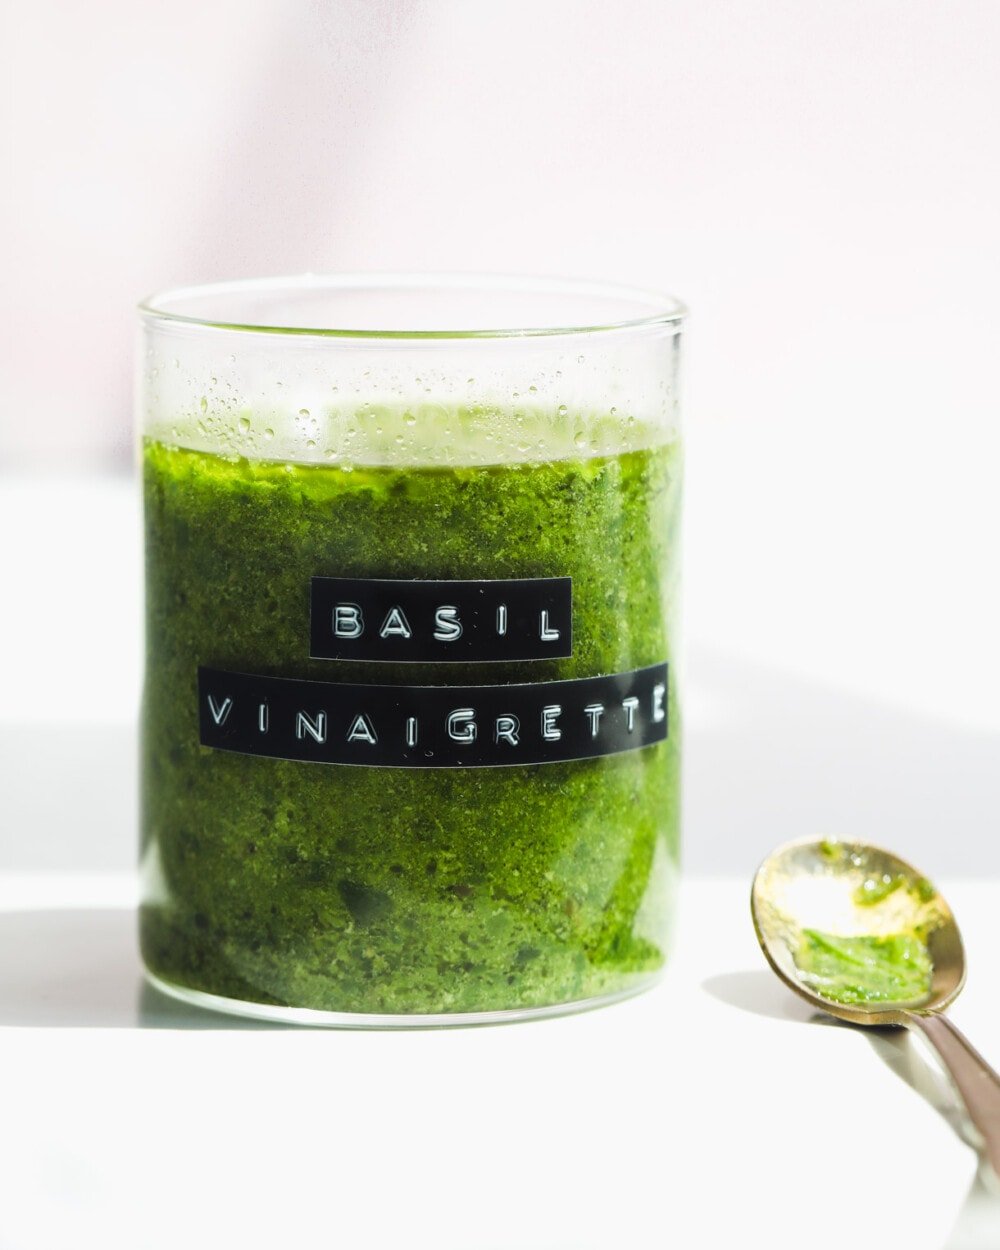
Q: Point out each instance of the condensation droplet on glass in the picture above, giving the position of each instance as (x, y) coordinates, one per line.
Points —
(310, 442)
(244, 425)
(532, 390)
(230, 360)
(580, 441)
(269, 434)
(203, 403)
(409, 418)
(562, 410)
(331, 453)
(580, 360)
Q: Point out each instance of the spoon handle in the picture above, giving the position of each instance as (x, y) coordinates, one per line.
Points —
(977, 1082)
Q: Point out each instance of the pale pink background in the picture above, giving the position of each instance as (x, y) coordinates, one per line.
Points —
(820, 181)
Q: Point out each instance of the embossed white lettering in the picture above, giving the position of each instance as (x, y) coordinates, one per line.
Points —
(462, 725)
(220, 712)
(348, 621)
(314, 726)
(506, 730)
(395, 625)
(362, 730)
(659, 693)
(594, 712)
(449, 627)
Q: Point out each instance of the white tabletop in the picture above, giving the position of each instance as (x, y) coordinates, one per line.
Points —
(713, 1111)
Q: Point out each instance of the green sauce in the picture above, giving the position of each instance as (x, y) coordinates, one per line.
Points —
(866, 969)
(396, 890)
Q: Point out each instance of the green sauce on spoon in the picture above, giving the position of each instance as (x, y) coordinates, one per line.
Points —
(865, 969)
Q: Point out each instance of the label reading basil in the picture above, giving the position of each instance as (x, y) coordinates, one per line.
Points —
(433, 621)
(432, 726)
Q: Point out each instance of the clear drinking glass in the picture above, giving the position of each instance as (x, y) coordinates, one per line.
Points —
(410, 746)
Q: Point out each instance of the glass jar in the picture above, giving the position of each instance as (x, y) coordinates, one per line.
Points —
(410, 734)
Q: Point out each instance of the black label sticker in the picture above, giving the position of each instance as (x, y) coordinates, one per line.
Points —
(440, 621)
(432, 726)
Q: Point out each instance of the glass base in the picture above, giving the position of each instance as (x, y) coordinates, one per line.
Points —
(362, 1020)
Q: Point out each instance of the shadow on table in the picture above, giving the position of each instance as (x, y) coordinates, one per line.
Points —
(79, 968)
(761, 993)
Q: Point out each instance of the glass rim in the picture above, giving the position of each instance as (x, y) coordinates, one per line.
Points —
(665, 311)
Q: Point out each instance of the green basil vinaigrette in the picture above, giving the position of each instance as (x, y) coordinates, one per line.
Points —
(894, 968)
(394, 890)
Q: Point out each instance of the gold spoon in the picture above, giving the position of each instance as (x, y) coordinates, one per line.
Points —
(860, 934)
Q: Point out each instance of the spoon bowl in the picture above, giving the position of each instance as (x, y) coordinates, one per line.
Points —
(853, 890)
(862, 935)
